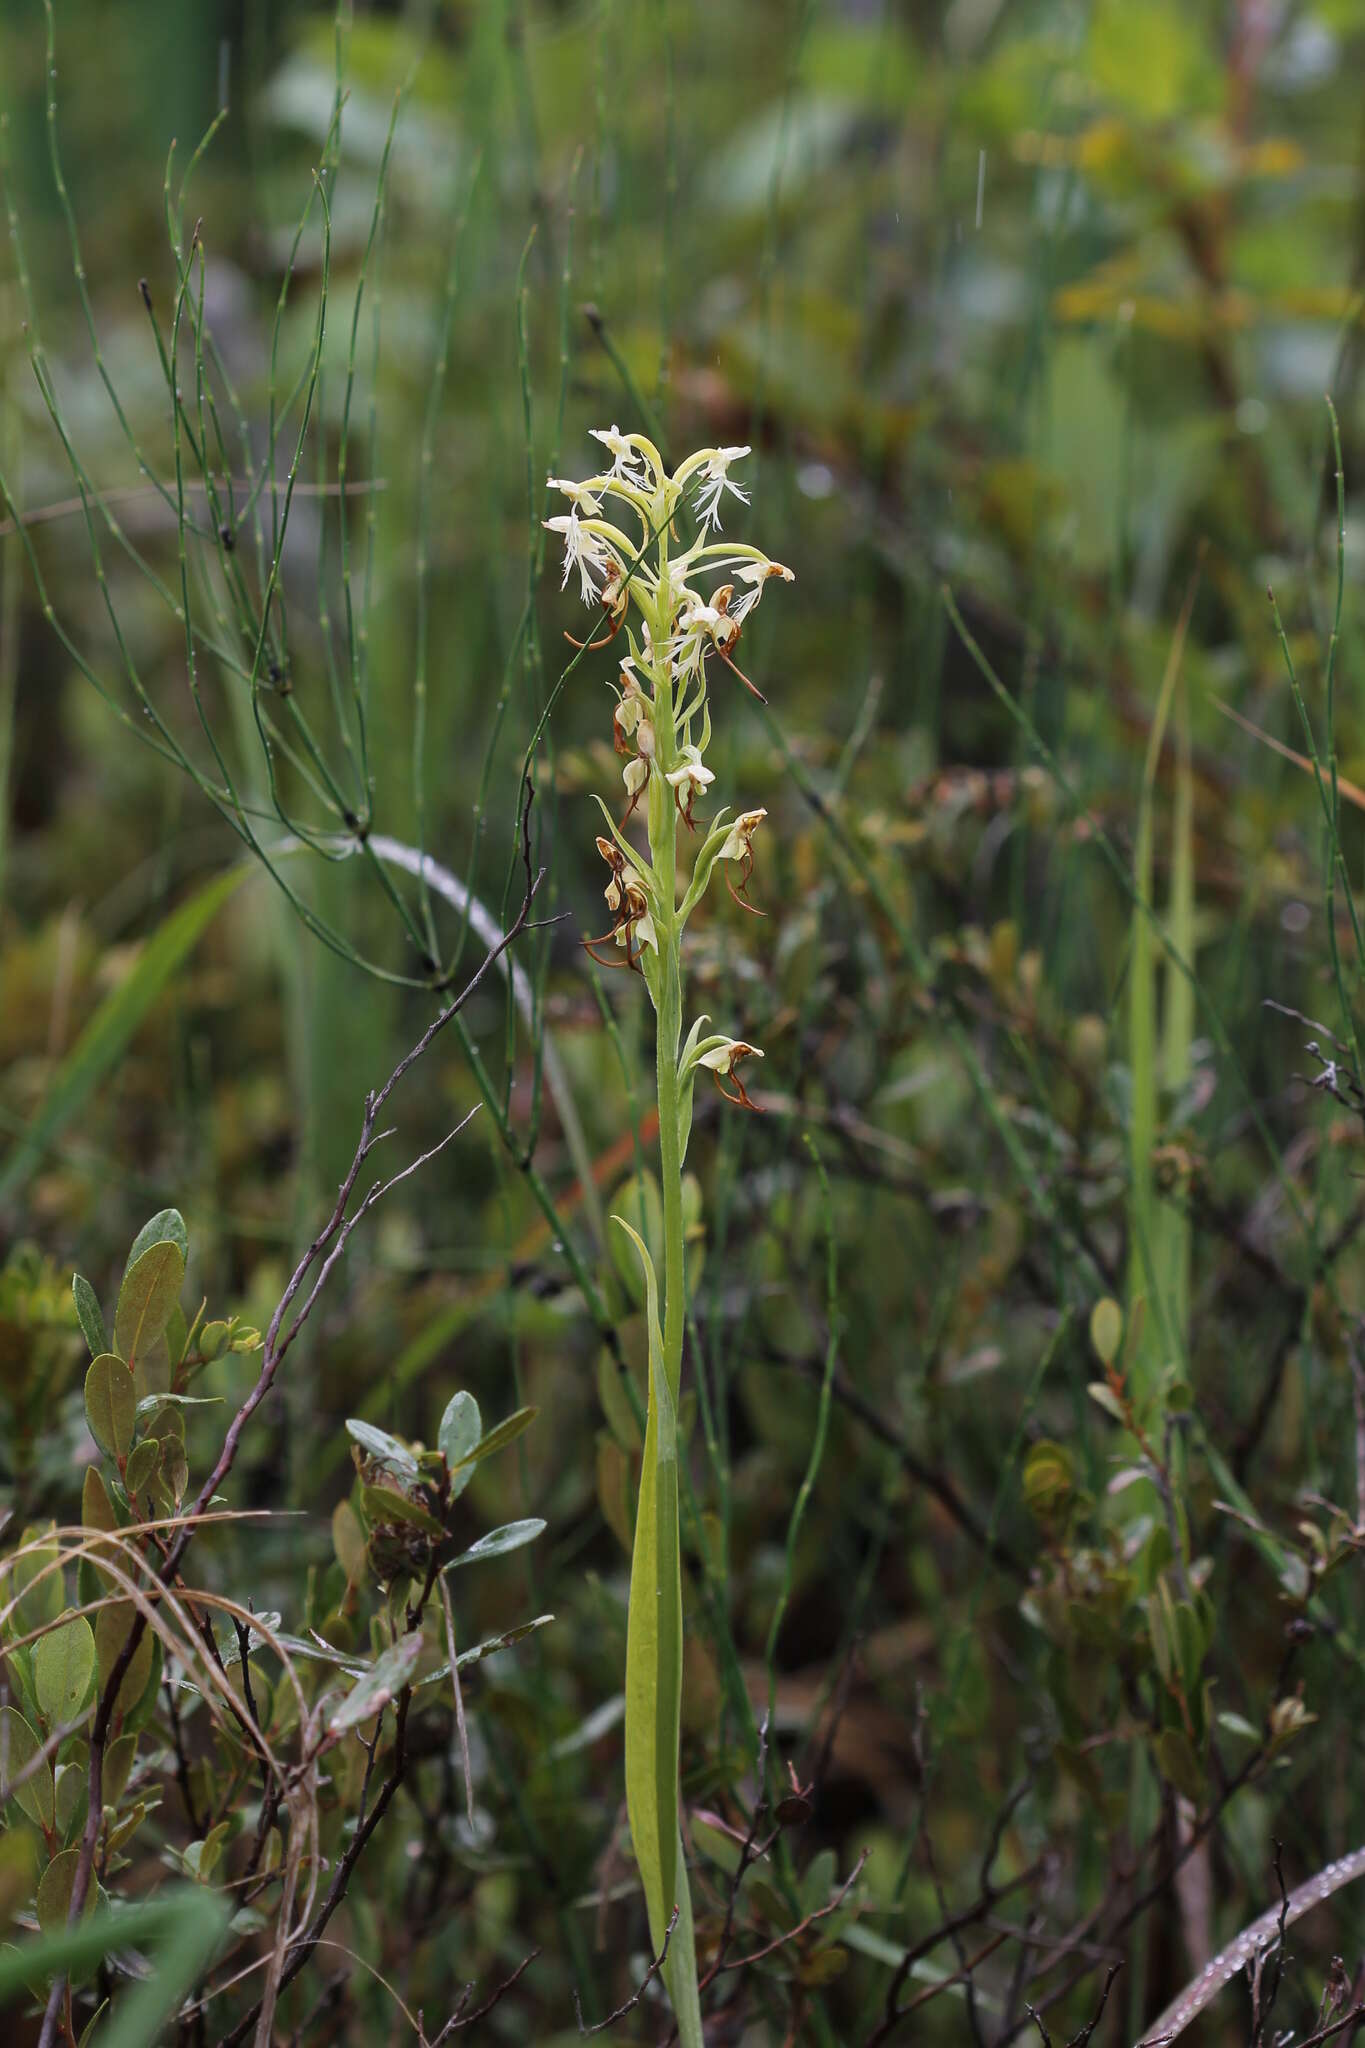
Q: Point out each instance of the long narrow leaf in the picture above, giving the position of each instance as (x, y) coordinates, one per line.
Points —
(1144, 1261)
(1178, 1021)
(654, 1680)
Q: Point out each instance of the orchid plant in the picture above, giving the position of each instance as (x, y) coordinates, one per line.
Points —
(677, 608)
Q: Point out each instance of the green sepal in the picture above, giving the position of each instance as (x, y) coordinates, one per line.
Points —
(686, 1084)
(707, 856)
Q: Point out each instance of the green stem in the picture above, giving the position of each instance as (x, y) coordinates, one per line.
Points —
(680, 1970)
(669, 1038)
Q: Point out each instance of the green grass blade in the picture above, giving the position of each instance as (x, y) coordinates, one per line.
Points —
(105, 1037)
(191, 1919)
(1149, 1251)
(1178, 1022)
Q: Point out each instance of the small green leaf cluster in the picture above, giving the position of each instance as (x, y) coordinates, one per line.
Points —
(137, 1385)
(402, 1507)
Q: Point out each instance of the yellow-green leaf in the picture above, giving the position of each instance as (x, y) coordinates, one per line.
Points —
(143, 1460)
(385, 1505)
(112, 1627)
(654, 1678)
(88, 1315)
(18, 1748)
(111, 1405)
(118, 1762)
(55, 1887)
(148, 1294)
(1106, 1329)
(348, 1540)
(63, 1666)
(34, 1580)
(97, 1510)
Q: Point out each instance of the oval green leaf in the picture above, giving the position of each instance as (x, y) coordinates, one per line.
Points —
(18, 1748)
(148, 1294)
(166, 1227)
(383, 1448)
(383, 1681)
(496, 1440)
(88, 1315)
(348, 1540)
(1106, 1329)
(498, 1542)
(111, 1404)
(63, 1666)
(112, 1626)
(461, 1428)
(507, 1641)
(384, 1504)
(142, 1463)
(54, 1892)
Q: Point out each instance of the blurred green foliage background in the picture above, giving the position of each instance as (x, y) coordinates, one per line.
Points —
(1035, 300)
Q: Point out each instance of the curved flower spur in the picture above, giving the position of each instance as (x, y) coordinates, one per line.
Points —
(676, 610)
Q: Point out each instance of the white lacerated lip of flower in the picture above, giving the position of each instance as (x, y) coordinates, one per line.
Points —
(756, 575)
(716, 482)
(627, 461)
(583, 551)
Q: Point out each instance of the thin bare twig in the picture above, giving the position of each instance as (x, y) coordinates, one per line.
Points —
(831, 1905)
(1080, 2039)
(942, 1984)
(945, 1931)
(1267, 1965)
(650, 1974)
(1339, 2026)
(750, 1852)
(460, 2018)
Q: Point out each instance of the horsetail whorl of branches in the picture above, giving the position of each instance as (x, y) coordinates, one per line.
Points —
(675, 609)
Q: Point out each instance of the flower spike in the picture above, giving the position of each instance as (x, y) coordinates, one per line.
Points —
(688, 602)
